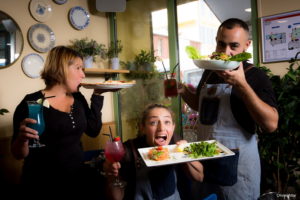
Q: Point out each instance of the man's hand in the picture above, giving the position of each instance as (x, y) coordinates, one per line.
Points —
(233, 77)
(111, 168)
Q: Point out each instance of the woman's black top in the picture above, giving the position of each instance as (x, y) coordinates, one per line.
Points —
(61, 160)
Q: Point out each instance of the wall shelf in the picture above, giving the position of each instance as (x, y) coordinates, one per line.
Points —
(96, 71)
(108, 73)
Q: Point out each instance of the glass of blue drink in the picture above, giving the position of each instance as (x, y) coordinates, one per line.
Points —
(35, 111)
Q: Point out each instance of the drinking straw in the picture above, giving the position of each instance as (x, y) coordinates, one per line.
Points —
(49, 97)
(165, 69)
(174, 69)
(110, 133)
(110, 138)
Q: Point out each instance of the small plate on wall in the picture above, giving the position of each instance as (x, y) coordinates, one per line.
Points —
(32, 65)
(41, 37)
(79, 17)
(60, 2)
(41, 10)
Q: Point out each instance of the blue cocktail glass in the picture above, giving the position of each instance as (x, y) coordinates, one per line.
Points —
(35, 111)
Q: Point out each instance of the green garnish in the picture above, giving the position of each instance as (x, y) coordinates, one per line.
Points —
(241, 57)
(194, 54)
(202, 149)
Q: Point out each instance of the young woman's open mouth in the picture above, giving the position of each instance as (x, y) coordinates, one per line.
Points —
(161, 140)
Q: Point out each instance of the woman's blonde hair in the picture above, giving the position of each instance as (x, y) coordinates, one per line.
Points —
(56, 65)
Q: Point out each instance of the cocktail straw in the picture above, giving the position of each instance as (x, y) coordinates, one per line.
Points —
(174, 69)
(164, 69)
(110, 133)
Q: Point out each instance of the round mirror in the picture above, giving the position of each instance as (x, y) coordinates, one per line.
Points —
(11, 40)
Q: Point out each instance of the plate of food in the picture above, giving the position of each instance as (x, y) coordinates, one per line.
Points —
(110, 84)
(216, 64)
(216, 61)
(174, 154)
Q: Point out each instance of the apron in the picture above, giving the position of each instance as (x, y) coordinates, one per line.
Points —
(217, 122)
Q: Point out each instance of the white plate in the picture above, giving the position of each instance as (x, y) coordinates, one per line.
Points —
(180, 157)
(32, 65)
(106, 86)
(79, 17)
(41, 37)
(216, 64)
(40, 10)
(60, 2)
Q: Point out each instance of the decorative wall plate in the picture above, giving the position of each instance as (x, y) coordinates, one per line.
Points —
(32, 64)
(41, 10)
(79, 17)
(60, 2)
(41, 37)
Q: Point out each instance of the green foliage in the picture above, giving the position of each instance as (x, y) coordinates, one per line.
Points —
(3, 111)
(114, 49)
(144, 57)
(141, 74)
(88, 47)
(280, 150)
(142, 67)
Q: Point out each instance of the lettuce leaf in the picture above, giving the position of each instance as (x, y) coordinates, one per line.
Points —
(193, 53)
(241, 57)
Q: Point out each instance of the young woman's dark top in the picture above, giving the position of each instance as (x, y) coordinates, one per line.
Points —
(162, 179)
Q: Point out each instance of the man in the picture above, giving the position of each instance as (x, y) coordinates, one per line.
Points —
(231, 104)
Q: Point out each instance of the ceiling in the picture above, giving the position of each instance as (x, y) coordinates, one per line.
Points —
(224, 9)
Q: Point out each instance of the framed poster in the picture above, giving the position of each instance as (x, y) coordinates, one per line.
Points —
(280, 36)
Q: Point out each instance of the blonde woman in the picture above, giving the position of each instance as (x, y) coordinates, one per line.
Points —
(68, 116)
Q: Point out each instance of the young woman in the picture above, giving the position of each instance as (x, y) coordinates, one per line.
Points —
(166, 182)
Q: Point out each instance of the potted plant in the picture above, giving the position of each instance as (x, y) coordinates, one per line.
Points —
(145, 60)
(279, 151)
(89, 49)
(112, 53)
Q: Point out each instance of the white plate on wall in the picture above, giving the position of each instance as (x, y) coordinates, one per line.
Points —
(79, 17)
(60, 2)
(216, 64)
(32, 65)
(41, 10)
(41, 37)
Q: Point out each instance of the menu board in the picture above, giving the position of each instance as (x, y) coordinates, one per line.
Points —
(280, 36)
